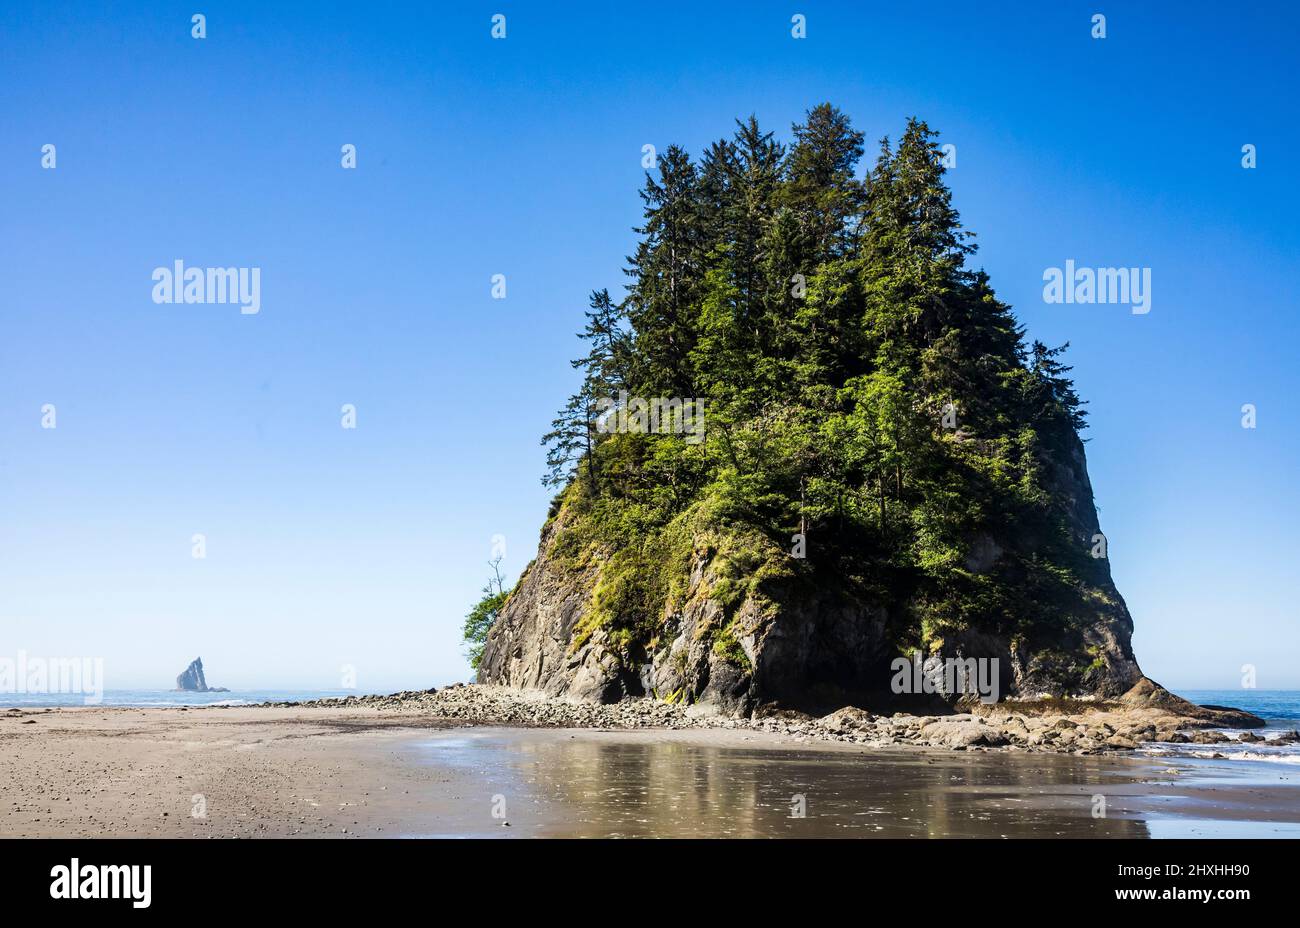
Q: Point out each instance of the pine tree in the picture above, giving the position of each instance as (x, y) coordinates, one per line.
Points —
(575, 431)
(665, 274)
(608, 360)
(1051, 395)
(814, 240)
(820, 184)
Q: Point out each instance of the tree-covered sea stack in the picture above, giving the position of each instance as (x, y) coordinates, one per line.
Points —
(883, 466)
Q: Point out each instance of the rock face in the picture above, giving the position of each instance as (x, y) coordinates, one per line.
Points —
(1047, 661)
(529, 645)
(790, 646)
(193, 681)
(789, 643)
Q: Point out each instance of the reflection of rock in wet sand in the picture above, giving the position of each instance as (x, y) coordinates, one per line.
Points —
(606, 784)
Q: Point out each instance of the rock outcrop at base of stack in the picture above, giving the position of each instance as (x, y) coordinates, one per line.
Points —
(1041, 726)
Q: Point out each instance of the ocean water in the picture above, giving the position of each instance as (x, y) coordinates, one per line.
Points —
(163, 698)
(1279, 708)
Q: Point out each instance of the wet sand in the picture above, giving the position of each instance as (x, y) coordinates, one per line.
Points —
(357, 772)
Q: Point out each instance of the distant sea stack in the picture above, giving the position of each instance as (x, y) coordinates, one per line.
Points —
(193, 681)
(877, 466)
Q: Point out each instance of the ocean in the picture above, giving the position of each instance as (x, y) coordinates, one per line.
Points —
(1279, 708)
(164, 698)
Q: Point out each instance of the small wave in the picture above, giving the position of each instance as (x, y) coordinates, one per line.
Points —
(1257, 755)
(1210, 752)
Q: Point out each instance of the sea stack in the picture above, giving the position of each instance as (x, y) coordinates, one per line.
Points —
(890, 471)
(193, 681)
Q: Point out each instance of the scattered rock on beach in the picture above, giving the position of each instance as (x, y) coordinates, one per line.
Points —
(1086, 730)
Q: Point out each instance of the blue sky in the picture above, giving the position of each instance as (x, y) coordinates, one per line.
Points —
(329, 547)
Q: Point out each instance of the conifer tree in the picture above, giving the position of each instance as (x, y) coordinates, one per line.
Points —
(575, 429)
(820, 183)
(1052, 396)
(665, 274)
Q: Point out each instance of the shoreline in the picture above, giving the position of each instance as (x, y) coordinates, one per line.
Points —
(1149, 715)
(361, 770)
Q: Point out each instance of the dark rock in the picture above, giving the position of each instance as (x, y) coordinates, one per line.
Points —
(193, 681)
(787, 642)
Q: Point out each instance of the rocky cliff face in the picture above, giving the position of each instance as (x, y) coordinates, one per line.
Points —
(1089, 654)
(799, 642)
(193, 681)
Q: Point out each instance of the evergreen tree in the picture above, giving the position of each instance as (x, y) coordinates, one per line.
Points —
(820, 183)
(575, 430)
(665, 274)
(609, 356)
(1051, 394)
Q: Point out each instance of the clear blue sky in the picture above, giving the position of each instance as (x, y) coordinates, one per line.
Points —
(329, 547)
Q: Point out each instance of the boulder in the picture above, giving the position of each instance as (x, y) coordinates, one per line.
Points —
(1150, 697)
(962, 735)
(850, 718)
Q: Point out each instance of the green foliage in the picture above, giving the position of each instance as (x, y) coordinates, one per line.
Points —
(479, 619)
(833, 330)
(727, 647)
(477, 623)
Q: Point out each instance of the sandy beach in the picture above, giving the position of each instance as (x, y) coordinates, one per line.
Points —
(363, 772)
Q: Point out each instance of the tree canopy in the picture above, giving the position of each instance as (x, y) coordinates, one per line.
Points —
(864, 388)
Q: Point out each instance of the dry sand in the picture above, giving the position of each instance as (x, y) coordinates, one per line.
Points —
(253, 771)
